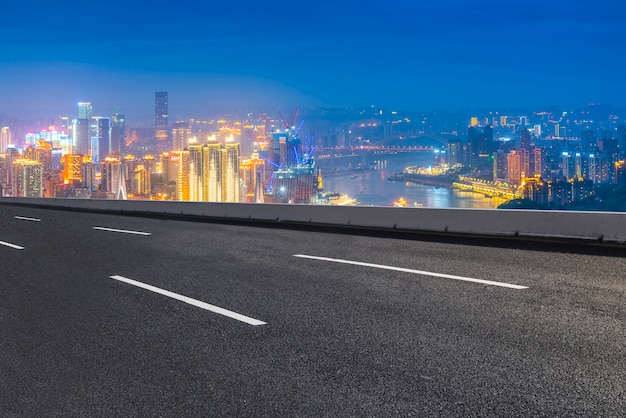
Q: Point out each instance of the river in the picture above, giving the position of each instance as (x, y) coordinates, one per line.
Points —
(371, 187)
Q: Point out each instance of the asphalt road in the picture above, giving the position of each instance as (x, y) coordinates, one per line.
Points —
(295, 323)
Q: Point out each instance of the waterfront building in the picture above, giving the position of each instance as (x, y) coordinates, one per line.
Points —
(514, 167)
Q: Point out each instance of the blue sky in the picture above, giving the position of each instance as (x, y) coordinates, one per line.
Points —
(407, 55)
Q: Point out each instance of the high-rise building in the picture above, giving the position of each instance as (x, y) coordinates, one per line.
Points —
(41, 152)
(84, 110)
(252, 174)
(177, 172)
(181, 132)
(81, 136)
(28, 178)
(538, 162)
(5, 139)
(72, 166)
(88, 175)
(161, 129)
(195, 172)
(118, 134)
(110, 171)
(500, 166)
(514, 169)
(104, 138)
(212, 172)
(230, 173)
(525, 139)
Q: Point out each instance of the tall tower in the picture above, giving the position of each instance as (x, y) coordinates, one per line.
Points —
(195, 172)
(84, 110)
(5, 139)
(161, 133)
(104, 138)
(230, 173)
(514, 169)
(81, 130)
(118, 133)
(212, 172)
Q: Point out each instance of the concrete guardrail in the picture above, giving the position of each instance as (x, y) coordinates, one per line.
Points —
(596, 226)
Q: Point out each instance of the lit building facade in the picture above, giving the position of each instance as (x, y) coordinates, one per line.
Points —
(181, 133)
(212, 172)
(28, 178)
(72, 164)
(230, 173)
(5, 139)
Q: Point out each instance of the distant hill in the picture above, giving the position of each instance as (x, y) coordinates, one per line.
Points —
(607, 198)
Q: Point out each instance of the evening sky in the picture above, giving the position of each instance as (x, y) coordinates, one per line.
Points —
(407, 55)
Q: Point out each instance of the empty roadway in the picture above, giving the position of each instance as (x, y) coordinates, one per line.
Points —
(125, 316)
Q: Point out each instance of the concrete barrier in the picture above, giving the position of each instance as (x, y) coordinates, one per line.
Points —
(597, 226)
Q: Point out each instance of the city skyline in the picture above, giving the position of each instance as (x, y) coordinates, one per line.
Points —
(445, 56)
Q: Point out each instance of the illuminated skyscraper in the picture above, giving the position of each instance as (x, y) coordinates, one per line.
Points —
(514, 169)
(212, 172)
(28, 179)
(252, 174)
(178, 171)
(539, 161)
(195, 172)
(5, 139)
(110, 171)
(118, 134)
(230, 173)
(84, 110)
(160, 121)
(104, 138)
(181, 132)
(81, 136)
(72, 165)
(41, 152)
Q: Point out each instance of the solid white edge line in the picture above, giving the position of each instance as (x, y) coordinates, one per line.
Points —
(424, 273)
(8, 244)
(24, 218)
(123, 231)
(191, 301)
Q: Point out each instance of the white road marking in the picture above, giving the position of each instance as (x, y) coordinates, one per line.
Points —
(424, 273)
(8, 244)
(24, 218)
(123, 231)
(194, 302)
